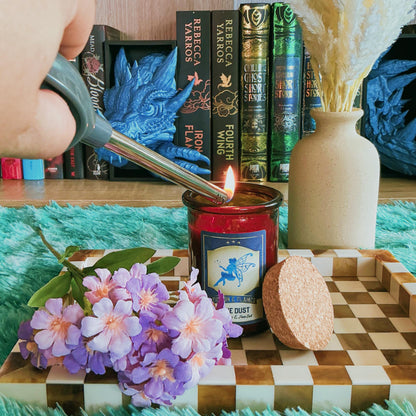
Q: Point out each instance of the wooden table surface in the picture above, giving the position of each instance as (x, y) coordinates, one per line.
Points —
(83, 192)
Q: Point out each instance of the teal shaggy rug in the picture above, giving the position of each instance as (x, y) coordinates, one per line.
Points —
(26, 264)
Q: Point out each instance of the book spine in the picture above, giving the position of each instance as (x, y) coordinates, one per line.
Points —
(225, 84)
(310, 98)
(286, 90)
(254, 72)
(54, 167)
(93, 72)
(74, 162)
(194, 62)
(11, 168)
(33, 169)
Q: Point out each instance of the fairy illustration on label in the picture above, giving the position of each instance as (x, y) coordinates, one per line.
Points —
(235, 270)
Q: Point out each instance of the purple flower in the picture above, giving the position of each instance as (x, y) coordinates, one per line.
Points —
(29, 348)
(148, 294)
(201, 363)
(164, 375)
(198, 329)
(154, 336)
(58, 327)
(111, 327)
(81, 357)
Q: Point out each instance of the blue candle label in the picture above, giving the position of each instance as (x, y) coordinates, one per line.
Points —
(235, 264)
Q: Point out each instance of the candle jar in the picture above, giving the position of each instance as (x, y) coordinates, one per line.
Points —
(232, 246)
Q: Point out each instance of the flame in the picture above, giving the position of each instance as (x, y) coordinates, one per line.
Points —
(229, 186)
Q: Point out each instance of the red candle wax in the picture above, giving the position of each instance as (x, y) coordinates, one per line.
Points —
(232, 246)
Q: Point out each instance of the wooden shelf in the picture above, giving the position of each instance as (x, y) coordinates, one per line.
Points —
(16, 193)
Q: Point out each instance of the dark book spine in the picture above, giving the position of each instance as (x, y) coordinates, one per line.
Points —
(93, 72)
(310, 97)
(73, 162)
(286, 90)
(193, 30)
(254, 73)
(225, 83)
(54, 167)
(11, 168)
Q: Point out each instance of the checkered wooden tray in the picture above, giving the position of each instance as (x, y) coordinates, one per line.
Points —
(371, 355)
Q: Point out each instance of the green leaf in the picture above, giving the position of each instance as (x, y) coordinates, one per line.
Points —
(55, 288)
(163, 265)
(71, 250)
(77, 293)
(123, 258)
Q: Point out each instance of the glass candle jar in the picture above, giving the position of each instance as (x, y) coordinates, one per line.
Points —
(233, 245)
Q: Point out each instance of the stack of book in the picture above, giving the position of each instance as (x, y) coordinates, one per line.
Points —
(253, 88)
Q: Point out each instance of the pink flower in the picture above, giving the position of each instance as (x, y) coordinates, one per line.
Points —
(198, 329)
(99, 286)
(112, 327)
(192, 290)
(57, 326)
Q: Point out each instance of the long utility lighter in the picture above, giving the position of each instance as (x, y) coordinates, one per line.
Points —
(94, 130)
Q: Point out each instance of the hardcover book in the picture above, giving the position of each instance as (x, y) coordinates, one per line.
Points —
(193, 127)
(33, 169)
(11, 168)
(74, 162)
(254, 72)
(225, 84)
(54, 167)
(93, 72)
(310, 97)
(286, 90)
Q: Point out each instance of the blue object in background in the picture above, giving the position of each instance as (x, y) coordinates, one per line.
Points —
(386, 122)
(33, 169)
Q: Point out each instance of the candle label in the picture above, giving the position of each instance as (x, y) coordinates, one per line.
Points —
(235, 264)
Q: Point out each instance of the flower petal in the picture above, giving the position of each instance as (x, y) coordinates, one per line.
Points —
(40, 319)
(91, 326)
(132, 325)
(102, 307)
(100, 342)
(44, 339)
(120, 345)
(123, 307)
(54, 306)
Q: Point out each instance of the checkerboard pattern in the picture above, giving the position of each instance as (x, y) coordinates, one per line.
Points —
(370, 357)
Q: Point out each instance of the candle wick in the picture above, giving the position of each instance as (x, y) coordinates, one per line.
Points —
(230, 194)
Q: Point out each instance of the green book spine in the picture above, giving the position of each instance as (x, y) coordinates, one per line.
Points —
(225, 83)
(254, 72)
(311, 97)
(286, 90)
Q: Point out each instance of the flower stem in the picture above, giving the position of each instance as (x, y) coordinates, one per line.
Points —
(77, 273)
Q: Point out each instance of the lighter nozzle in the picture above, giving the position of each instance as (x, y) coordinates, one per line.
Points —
(153, 161)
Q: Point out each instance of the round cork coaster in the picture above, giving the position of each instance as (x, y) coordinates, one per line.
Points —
(297, 304)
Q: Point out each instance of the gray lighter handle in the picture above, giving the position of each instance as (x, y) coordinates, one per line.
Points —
(64, 79)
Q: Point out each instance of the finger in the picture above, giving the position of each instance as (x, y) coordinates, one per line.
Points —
(51, 132)
(76, 33)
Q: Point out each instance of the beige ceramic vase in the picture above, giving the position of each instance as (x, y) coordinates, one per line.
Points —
(333, 185)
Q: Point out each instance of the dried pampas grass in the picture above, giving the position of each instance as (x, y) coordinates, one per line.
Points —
(345, 38)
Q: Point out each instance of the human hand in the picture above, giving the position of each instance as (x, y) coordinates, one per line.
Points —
(37, 123)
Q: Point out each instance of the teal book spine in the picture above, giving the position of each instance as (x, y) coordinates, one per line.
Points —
(225, 83)
(254, 74)
(310, 98)
(286, 90)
